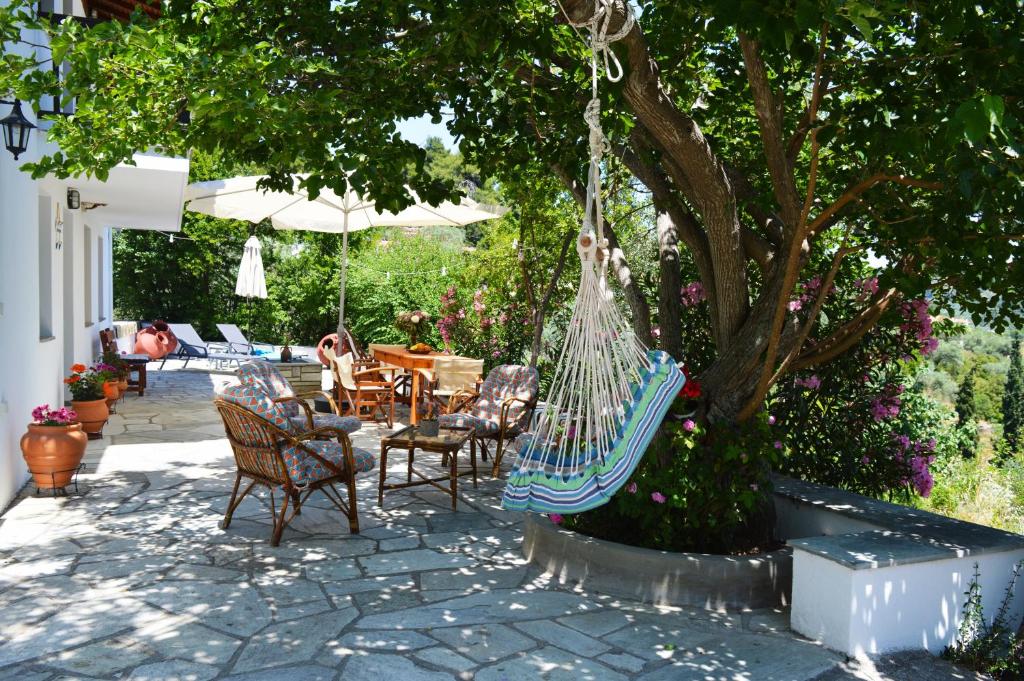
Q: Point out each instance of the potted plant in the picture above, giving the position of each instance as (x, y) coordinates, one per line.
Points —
(286, 352)
(413, 323)
(428, 424)
(115, 360)
(87, 399)
(53, 446)
(106, 374)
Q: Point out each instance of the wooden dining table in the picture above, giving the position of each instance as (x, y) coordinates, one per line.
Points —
(399, 356)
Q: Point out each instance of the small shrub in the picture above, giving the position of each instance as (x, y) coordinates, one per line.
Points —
(995, 649)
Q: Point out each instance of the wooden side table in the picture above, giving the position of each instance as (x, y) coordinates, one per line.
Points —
(448, 442)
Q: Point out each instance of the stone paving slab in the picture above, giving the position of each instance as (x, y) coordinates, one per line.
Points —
(135, 579)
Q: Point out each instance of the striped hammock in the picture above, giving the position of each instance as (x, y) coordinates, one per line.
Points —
(609, 393)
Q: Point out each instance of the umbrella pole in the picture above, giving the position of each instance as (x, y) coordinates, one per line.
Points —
(344, 267)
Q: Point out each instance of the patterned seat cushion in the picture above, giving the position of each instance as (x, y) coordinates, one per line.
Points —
(505, 381)
(255, 397)
(349, 424)
(267, 373)
(481, 427)
(305, 469)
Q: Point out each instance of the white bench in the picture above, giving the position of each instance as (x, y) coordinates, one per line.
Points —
(871, 577)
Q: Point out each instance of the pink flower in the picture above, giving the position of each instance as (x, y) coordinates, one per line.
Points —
(795, 305)
(771, 420)
(556, 518)
(753, 486)
(658, 498)
(631, 488)
(778, 444)
(689, 425)
(811, 383)
(692, 294)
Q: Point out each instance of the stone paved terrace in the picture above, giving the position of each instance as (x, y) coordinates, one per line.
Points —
(135, 580)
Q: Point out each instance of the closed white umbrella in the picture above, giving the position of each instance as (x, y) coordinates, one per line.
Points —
(241, 198)
(251, 283)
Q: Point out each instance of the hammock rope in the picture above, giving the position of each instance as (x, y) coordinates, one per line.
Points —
(609, 392)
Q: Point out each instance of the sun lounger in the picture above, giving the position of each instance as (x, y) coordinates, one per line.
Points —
(191, 346)
(237, 342)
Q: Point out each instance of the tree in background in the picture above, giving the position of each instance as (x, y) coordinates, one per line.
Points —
(965, 409)
(1013, 401)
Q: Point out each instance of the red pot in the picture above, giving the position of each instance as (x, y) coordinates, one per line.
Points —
(154, 342)
(92, 414)
(53, 453)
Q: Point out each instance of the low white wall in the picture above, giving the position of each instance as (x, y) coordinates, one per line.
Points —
(795, 519)
(877, 610)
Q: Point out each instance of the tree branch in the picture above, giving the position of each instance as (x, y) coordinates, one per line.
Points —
(768, 108)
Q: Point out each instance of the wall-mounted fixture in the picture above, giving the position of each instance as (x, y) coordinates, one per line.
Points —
(16, 130)
(74, 199)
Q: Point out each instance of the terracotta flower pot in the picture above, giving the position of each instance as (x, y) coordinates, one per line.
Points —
(92, 414)
(111, 391)
(122, 385)
(155, 342)
(53, 453)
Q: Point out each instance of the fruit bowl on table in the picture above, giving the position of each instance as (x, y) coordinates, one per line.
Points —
(420, 349)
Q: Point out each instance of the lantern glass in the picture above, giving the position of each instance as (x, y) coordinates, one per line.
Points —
(16, 130)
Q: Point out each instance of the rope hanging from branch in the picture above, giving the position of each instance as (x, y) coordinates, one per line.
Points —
(609, 393)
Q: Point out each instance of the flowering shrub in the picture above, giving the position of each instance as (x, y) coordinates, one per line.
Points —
(44, 416)
(485, 326)
(84, 383)
(855, 424)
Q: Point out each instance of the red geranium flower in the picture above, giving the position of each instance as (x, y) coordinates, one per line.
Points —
(691, 389)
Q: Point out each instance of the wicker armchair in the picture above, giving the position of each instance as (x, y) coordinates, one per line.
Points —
(295, 405)
(499, 411)
(269, 451)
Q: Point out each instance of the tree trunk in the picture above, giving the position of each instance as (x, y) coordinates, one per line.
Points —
(670, 282)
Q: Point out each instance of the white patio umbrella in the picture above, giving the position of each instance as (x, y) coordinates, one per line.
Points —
(241, 198)
(251, 283)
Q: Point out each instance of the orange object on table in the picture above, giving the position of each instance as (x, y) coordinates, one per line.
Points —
(399, 356)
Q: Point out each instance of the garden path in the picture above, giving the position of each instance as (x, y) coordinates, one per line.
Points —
(134, 579)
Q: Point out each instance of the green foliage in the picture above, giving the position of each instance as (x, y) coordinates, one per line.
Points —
(401, 274)
(965, 397)
(697, 489)
(1013, 400)
(996, 649)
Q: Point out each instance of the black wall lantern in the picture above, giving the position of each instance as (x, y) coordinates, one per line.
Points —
(16, 130)
(74, 199)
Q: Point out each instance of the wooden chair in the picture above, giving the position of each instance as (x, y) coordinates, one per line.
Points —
(136, 363)
(500, 410)
(269, 451)
(453, 376)
(366, 392)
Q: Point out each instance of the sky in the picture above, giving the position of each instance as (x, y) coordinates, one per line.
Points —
(419, 129)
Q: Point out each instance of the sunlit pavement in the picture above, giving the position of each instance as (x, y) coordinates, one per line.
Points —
(134, 579)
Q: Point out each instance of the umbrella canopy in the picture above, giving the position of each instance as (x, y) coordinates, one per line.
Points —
(241, 198)
(251, 281)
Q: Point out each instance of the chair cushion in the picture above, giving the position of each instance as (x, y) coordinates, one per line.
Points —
(481, 427)
(305, 469)
(349, 424)
(272, 379)
(505, 381)
(255, 397)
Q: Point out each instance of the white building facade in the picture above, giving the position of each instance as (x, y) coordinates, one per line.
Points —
(56, 283)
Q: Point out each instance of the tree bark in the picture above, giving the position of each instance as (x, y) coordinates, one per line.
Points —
(669, 321)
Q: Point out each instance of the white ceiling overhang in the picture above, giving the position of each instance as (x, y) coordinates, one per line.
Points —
(148, 195)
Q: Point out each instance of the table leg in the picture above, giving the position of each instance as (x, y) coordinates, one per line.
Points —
(453, 475)
(383, 473)
(414, 397)
(408, 471)
(472, 458)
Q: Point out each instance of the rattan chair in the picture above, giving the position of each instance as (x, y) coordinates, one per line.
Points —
(499, 411)
(453, 376)
(269, 451)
